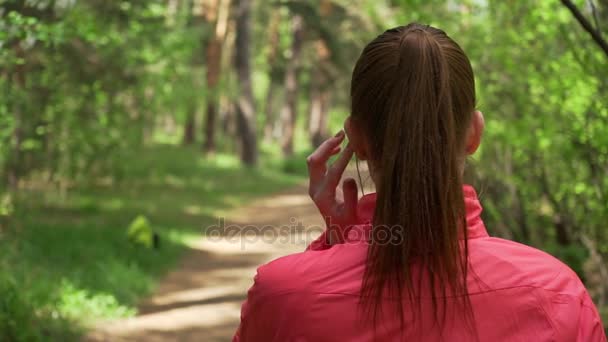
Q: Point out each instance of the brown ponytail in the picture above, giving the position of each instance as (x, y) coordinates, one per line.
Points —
(413, 95)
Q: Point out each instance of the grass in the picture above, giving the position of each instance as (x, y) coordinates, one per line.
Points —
(67, 262)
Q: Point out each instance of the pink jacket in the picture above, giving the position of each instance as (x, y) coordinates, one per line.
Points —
(518, 293)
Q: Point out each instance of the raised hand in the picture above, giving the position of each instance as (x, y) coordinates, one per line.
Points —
(337, 206)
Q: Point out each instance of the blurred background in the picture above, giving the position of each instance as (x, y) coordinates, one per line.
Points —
(127, 126)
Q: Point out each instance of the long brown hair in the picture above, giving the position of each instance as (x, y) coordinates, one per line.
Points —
(413, 95)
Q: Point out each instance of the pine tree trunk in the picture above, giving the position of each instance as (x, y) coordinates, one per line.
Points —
(319, 108)
(319, 97)
(289, 111)
(214, 57)
(273, 43)
(189, 126)
(216, 14)
(245, 107)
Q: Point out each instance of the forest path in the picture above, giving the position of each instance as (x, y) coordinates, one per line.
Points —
(200, 299)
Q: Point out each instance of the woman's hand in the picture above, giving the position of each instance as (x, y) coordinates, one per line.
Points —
(337, 206)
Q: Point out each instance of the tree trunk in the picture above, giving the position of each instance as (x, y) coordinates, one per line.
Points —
(273, 42)
(14, 161)
(172, 11)
(189, 126)
(319, 97)
(596, 272)
(226, 110)
(289, 111)
(560, 224)
(209, 144)
(520, 216)
(214, 57)
(319, 107)
(245, 107)
(225, 115)
(216, 13)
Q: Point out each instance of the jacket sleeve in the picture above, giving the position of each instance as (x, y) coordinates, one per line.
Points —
(590, 324)
(255, 320)
(274, 302)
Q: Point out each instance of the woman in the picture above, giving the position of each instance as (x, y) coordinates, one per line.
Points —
(414, 261)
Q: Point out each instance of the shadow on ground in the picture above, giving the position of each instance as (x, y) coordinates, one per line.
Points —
(200, 300)
(66, 260)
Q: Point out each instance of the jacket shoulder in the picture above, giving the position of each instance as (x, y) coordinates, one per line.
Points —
(282, 275)
(504, 263)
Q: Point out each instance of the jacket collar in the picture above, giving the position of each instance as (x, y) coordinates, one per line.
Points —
(367, 205)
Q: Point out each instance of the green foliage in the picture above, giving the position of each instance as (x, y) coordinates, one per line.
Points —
(140, 233)
(73, 302)
(573, 255)
(14, 310)
(67, 262)
(546, 123)
(76, 96)
(22, 319)
(296, 164)
(90, 91)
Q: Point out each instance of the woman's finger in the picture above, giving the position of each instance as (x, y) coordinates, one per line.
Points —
(349, 187)
(318, 159)
(337, 169)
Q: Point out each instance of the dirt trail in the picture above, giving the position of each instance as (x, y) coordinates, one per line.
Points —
(201, 299)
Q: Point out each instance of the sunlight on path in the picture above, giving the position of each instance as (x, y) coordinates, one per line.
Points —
(201, 299)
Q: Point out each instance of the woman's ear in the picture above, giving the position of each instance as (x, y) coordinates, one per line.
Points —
(355, 138)
(475, 132)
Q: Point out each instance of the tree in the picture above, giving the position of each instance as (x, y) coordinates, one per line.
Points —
(191, 110)
(217, 13)
(319, 95)
(290, 107)
(595, 32)
(245, 106)
(272, 58)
